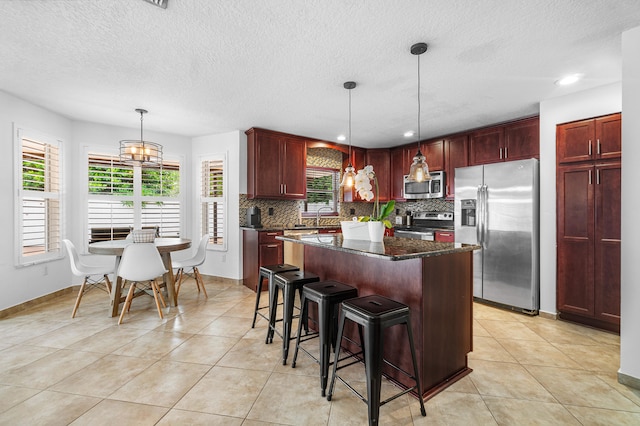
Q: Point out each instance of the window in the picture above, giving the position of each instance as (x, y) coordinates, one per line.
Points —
(122, 197)
(39, 206)
(212, 201)
(323, 191)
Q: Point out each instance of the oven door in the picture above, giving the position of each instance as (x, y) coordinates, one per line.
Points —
(416, 235)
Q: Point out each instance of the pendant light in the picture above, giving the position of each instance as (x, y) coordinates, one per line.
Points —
(141, 152)
(348, 179)
(419, 171)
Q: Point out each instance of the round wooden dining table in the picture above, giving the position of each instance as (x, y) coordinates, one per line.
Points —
(164, 245)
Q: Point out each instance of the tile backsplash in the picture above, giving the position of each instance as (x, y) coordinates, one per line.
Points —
(286, 213)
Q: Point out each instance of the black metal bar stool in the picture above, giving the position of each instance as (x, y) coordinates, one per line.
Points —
(289, 282)
(376, 313)
(268, 272)
(328, 295)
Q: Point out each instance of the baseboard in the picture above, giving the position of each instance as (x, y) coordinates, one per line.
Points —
(222, 279)
(548, 315)
(37, 301)
(630, 381)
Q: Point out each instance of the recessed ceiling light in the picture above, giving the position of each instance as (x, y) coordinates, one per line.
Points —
(341, 138)
(568, 79)
(409, 134)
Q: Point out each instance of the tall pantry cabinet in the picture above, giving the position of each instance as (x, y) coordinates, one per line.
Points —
(588, 215)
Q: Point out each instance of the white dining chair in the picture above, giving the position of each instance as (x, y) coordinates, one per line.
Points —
(192, 263)
(141, 263)
(88, 272)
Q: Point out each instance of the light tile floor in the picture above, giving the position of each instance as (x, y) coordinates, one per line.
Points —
(203, 364)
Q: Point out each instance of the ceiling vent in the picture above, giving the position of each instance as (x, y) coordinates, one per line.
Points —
(159, 3)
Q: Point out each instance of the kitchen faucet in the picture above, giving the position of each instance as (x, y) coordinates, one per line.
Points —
(318, 213)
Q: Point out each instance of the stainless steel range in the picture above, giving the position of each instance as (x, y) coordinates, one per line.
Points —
(424, 224)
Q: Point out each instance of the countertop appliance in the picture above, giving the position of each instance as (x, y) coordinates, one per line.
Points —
(424, 224)
(433, 188)
(253, 217)
(496, 206)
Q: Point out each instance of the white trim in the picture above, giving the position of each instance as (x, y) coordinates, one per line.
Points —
(20, 133)
(225, 197)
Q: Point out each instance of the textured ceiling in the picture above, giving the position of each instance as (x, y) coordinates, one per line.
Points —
(205, 66)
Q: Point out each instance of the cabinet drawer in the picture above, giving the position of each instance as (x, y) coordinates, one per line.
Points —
(444, 236)
(269, 237)
(329, 231)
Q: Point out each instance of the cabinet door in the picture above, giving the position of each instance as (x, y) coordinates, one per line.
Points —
(400, 164)
(271, 254)
(267, 182)
(456, 155)
(522, 140)
(434, 154)
(574, 141)
(293, 168)
(607, 242)
(381, 162)
(609, 136)
(486, 146)
(575, 282)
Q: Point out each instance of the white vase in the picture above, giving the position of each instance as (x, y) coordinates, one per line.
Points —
(376, 231)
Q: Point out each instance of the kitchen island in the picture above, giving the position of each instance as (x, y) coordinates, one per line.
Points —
(434, 279)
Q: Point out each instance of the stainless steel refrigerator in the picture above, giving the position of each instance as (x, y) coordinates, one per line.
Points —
(497, 207)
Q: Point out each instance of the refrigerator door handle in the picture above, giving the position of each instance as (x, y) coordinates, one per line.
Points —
(479, 215)
(485, 215)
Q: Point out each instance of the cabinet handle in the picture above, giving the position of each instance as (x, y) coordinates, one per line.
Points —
(598, 148)
(272, 233)
(506, 153)
(589, 177)
(444, 234)
(589, 147)
(597, 176)
(272, 246)
(501, 153)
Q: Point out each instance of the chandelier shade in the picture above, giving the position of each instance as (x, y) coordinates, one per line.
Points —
(141, 152)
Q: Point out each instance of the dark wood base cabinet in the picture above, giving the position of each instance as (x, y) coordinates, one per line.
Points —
(259, 248)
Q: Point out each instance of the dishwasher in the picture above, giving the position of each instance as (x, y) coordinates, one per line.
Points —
(293, 252)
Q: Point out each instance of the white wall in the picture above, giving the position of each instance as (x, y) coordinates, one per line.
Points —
(589, 103)
(25, 283)
(21, 284)
(630, 323)
(227, 264)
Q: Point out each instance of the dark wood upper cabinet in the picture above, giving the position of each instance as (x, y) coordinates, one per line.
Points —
(513, 141)
(608, 137)
(400, 163)
(434, 154)
(522, 139)
(380, 159)
(456, 153)
(276, 165)
(586, 140)
(486, 146)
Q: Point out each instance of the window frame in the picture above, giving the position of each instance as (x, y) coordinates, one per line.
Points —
(21, 133)
(225, 200)
(136, 198)
(335, 192)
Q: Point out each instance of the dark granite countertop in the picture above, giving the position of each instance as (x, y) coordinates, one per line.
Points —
(290, 228)
(391, 248)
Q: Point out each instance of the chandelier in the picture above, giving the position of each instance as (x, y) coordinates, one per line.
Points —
(141, 152)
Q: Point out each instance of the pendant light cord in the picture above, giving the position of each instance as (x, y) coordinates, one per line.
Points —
(418, 102)
(349, 126)
(141, 138)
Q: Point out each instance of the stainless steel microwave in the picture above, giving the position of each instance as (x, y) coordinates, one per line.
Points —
(433, 188)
